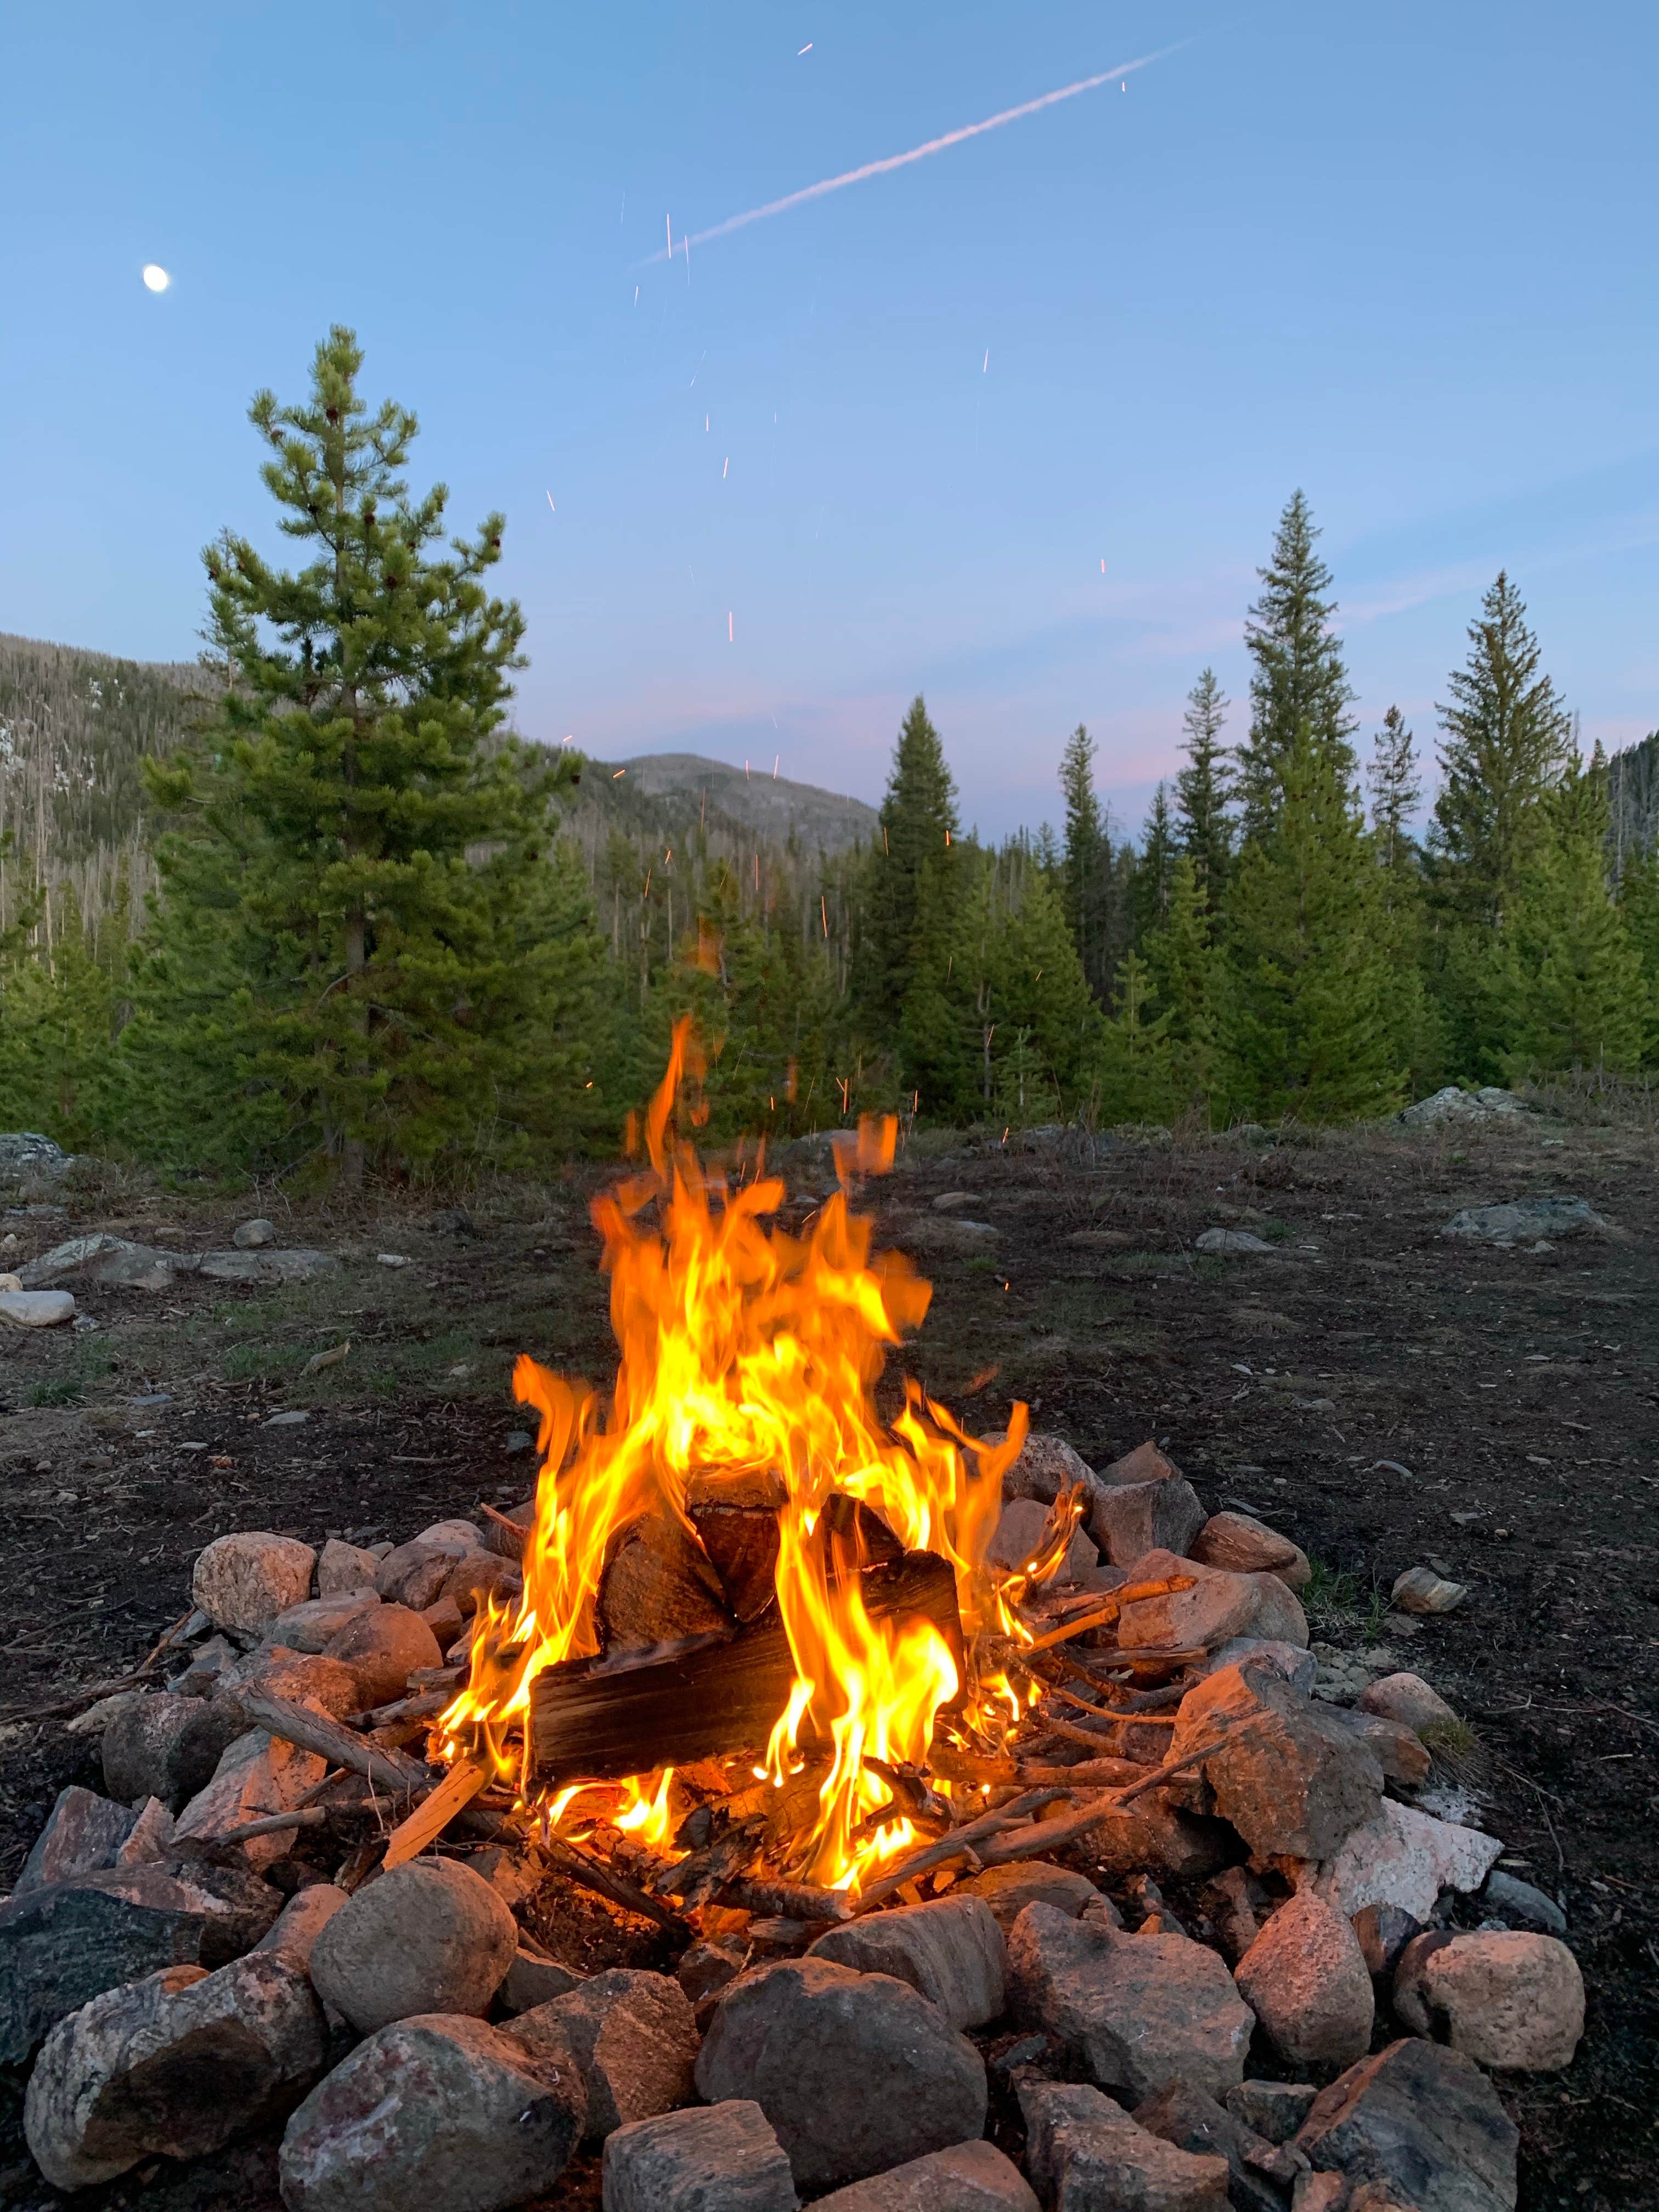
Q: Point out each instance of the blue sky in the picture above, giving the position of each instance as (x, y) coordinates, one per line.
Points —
(1404, 258)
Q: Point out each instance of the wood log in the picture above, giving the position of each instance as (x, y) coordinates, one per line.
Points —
(392, 1769)
(742, 1544)
(599, 1720)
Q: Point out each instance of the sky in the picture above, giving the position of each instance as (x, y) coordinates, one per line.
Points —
(1010, 425)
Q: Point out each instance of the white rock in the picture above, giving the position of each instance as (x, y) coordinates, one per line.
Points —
(244, 1581)
(1405, 1857)
(37, 1309)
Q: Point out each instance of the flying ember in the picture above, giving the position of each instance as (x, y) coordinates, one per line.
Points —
(858, 1617)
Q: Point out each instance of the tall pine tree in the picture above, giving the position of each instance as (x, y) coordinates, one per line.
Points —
(919, 827)
(1204, 787)
(1087, 860)
(1396, 789)
(1299, 685)
(1154, 867)
(1183, 971)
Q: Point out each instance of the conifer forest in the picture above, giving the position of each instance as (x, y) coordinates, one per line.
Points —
(310, 908)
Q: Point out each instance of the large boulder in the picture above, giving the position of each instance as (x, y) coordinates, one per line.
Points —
(1135, 2011)
(715, 2158)
(124, 2078)
(855, 2072)
(62, 1946)
(382, 1645)
(157, 1745)
(84, 1833)
(970, 2177)
(1305, 1979)
(952, 1950)
(1509, 1999)
(1086, 2155)
(635, 2038)
(435, 2110)
(430, 1936)
(1405, 1857)
(244, 1581)
(1293, 1781)
(1131, 1519)
(1424, 2124)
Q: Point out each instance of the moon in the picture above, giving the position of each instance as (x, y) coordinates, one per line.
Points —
(155, 278)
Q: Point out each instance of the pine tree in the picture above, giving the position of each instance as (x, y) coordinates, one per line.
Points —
(1396, 790)
(1132, 1077)
(1299, 683)
(1154, 867)
(55, 1022)
(1041, 991)
(1305, 1027)
(1088, 861)
(918, 826)
(1204, 787)
(1638, 903)
(1181, 968)
(1506, 745)
(340, 922)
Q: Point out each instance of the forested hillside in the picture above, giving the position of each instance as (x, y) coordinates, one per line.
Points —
(312, 908)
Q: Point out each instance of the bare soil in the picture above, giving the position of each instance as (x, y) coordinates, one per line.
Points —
(1384, 1394)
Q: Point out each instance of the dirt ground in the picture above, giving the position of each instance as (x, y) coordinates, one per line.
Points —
(1385, 1395)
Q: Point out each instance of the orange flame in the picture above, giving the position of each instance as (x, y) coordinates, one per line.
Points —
(745, 1351)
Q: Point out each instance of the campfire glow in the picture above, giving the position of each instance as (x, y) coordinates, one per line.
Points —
(746, 1352)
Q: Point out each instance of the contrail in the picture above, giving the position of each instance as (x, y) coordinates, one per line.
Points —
(920, 153)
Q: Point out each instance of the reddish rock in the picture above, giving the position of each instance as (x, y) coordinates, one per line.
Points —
(1305, 1977)
(244, 1581)
(382, 1647)
(1214, 1606)
(1130, 1519)
(1245, 1546)
(1408, 1699)
(1509, 1999)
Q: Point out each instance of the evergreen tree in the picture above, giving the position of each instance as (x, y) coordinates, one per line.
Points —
(1088, 861)
(1396, 790)
(1299, 683)
(1132, 1079)
(1305, 1027)
(919, 827)
(1181, 968)
(1506, 745)
(340, 929)
(56, 1017)
(1204, 787)
(1041, 990)
(1154, 867)
(1638, 903)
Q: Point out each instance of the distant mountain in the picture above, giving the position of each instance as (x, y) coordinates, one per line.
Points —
(768, 805)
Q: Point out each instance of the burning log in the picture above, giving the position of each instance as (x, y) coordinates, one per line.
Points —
(595, 1720)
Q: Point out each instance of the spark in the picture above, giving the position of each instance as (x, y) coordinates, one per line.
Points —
(776, 757)
(669, 227)
(730, 640)
(550, 501)
(636, 295)
(806, 49)
(705, 424)
(986, 371)
(891, 162)
(697, 372)
(728, 463)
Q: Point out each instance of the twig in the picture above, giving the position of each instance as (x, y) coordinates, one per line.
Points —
(599, 1879)
(297, 1725)
(1111, 1606)
(273, 1824)
(1048, 1835)
(953, 1845)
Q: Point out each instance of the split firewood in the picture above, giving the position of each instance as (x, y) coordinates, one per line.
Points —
(434, 1813)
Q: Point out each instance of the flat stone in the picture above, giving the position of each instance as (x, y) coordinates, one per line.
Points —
(430, 1936)
(293, 1419)
(1245, 1546)
(1453, 1104)
(75, 1255)
(1131, 1519)
(309, 1626)
(810, 2040)
(252, 1236)
(1288, 1775)
(1521, 1900)
(1086, 2155)
(1231, 1243)
(1305, 1979)
(633, 2037)
(296, 1266)
(294, 1933)
(1423, 2120)
(84, 1833)
(1046, 1466)
(1019, 1532)
(62, 1946)
(1007, 1890)
(1138, 2011)
(715, 2158)
(382, 1645)
(1525, 1221)
(1272, 2110)
(1509, 1999)
(341, 1568)
(1405, 1856)
(1258, 2171)
(435, 2110)
(1215, 1607)
(36, 1309)
(159, 1745)
(1423, 1590)
(952, 1950)
(1408, 1699)
(535, 1979)
(124, 2078)
(1398, 1750)
(259, 1775)
(244, 1581)
(970, 2177)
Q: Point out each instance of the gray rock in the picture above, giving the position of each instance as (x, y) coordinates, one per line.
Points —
(289, 1420)
(301, 1920)
(62, 1946)
(311, 1626)
(84, 1833)
(259, 1775)
(1525, 1221)
(1132, 1518)
(634, 2037)
(1009, 1889)
(1452, 1104)
(1257, 2169)
(1398, 1751)
(1510, 1998)
(1298, 1667)
(382, 1645)
(1272, 2110)
(950, 1950)
(124, 2078)
(969, 2176)
(438, 2110)
(1408, 1699)
(1291, 1778)
(1155, 1836)
(166, 1747)
(1019, 1532)
(1422, 2120)
(430, 1936)
(1046, 1466)
(413, 1574)
(808, 2040)
(1305, 1979)
(1405, 1856)
(715, 2158)
(1519, 1900)
(209, 1664)
(1231, 1244)
(25, 1152)
(252, 1236)
(1426, 1590)
(535, 1979)
(36, 1309)
(244, 1581)
(1137, 2011)
(341, 1568)
(1213, 1607)
(298, 1266)
(1086, 2155)
(1383, 1931)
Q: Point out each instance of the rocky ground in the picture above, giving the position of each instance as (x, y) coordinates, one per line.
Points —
(1387, 1395)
